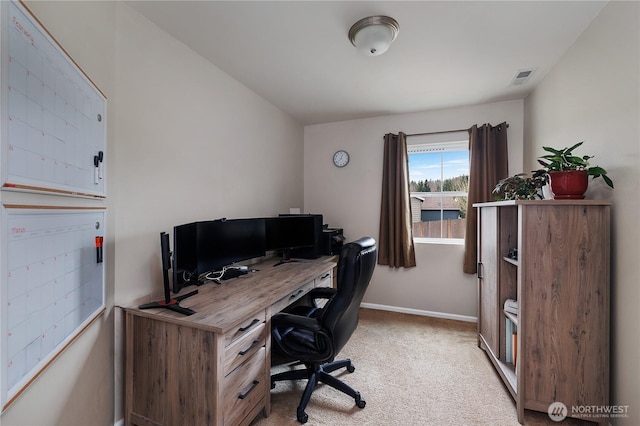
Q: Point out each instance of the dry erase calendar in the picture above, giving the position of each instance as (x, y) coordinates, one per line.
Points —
(51, 289)
(53, 118)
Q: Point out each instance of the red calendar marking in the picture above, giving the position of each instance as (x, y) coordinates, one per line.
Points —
(22, 29)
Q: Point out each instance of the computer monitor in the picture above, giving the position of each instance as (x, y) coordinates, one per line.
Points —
(185, 256)
(284, 233)
(224, 242)
(316, 250)
(207, 246)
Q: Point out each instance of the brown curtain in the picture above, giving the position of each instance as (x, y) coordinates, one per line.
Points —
(488, 164)
(395, 245)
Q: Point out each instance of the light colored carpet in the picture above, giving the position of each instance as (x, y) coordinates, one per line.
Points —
(411, 370)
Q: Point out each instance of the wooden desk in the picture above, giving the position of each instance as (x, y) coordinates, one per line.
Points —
(213, 367)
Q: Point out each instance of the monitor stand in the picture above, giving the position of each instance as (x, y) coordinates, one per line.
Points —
(286, 258)
(172, 304)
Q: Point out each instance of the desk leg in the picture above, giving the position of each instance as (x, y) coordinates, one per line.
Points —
(219, 378)
(128, 367)
(267, 401)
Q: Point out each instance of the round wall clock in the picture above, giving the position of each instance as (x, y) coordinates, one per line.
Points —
(341, 158)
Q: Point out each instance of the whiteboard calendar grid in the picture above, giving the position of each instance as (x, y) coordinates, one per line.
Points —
(52, 286)
(55, 118)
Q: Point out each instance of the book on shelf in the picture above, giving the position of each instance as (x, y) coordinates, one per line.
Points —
(508, 340)
(514, 344)
(511, 337)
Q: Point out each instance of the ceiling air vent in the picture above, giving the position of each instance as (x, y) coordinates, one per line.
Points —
(521, 77)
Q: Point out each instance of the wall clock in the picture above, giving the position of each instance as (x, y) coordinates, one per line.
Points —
(341, 158)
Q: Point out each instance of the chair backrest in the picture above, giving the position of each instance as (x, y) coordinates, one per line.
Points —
(355, 268)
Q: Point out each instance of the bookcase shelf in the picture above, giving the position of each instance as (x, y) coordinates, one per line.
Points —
(510, 260)
(561, 283)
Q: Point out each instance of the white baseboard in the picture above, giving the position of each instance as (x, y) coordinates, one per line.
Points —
(419, 312)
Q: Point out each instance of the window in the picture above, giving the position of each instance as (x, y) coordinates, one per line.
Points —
(439, 176)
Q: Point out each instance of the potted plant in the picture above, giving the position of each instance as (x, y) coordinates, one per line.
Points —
(520, 186)
(569, 173)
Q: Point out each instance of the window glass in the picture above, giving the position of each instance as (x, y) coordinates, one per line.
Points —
(439, 179)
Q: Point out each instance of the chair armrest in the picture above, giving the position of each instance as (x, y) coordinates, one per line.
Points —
(322, 292)
(284, 319)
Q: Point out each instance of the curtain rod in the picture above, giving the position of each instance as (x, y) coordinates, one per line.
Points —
(441, 132)
(437, 133)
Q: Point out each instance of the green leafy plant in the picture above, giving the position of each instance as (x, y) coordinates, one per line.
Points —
(520, 186)
(563, 159)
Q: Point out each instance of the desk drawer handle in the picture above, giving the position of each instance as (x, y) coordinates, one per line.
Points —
(253, 345)
(325, 276)
(295, 294)
(246, 394)
(254, 322)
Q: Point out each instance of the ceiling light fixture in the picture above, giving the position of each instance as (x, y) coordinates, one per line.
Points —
(372, 36)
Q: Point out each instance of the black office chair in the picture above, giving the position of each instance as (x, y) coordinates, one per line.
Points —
(314, 335)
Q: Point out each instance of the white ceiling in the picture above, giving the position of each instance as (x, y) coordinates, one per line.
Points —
(296, 54)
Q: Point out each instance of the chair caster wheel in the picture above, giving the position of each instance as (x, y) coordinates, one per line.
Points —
(360, 402)
(351, 368)
(302, 416)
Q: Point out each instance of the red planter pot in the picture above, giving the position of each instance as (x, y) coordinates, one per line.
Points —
(569, 184)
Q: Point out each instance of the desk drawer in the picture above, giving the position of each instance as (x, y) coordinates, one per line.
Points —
(245, 388)
(325, 280)
(246, 327)
(292, 297)
(244, 347)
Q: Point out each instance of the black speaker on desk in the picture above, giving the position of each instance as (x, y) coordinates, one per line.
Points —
(332, 241)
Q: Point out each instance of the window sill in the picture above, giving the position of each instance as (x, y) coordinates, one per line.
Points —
(445, 241)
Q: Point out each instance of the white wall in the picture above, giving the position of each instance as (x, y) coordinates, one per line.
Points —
(593, 94)
(193, 144)
(349, 198)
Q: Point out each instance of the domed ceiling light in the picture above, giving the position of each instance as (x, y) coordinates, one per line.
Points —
(372, 36)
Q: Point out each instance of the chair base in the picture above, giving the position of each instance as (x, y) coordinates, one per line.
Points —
(315, 373)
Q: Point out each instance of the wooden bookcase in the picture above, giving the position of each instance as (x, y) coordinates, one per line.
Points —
(560, 280)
